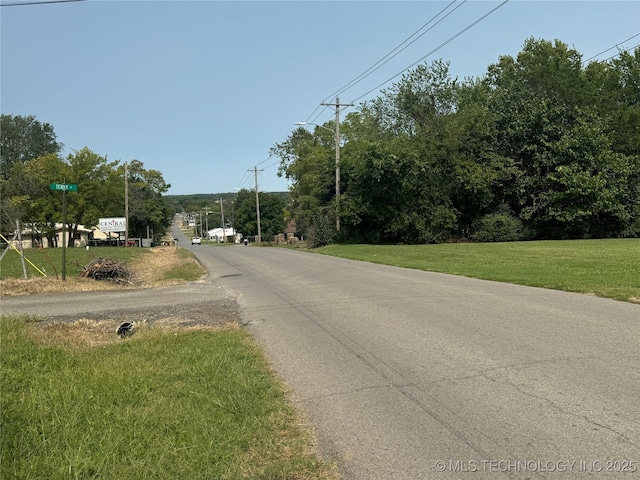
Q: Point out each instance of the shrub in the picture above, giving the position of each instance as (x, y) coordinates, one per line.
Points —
(497, 227)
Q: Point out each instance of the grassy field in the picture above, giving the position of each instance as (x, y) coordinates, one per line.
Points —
(49, 260)
(607, 268)
(157, 405)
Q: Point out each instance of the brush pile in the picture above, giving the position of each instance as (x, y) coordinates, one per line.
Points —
(106, 269)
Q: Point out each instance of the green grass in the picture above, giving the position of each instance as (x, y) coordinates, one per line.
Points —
(607, 268)
(187, 271)
(158, 405)
(49, 260)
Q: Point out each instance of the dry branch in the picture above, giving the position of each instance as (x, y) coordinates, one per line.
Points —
(106, 269)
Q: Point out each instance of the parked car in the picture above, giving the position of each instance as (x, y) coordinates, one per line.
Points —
(196, 241)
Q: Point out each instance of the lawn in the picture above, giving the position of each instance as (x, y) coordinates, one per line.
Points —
(607, 268)
(49, 260)
(157, 405)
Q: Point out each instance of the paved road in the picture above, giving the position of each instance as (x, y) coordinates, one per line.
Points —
(400, 370)
(414, 375)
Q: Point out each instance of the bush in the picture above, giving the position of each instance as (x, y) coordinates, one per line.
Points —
(497, 227)
(321, 231)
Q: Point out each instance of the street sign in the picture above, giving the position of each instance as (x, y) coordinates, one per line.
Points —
(67, 187)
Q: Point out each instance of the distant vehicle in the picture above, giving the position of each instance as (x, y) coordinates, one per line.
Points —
(196, 241)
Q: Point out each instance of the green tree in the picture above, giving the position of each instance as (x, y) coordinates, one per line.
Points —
(23, 139)
(307, 161)
(148, 213)
(399, 173)
(551, 125)
(29, 199)
(272, 214)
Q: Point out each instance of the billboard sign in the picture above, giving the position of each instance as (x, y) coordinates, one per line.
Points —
(117, 224)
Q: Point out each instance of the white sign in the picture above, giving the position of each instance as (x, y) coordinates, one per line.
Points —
(118, 224)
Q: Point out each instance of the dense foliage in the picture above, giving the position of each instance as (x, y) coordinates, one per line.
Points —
(272, 214)
(541, 147)
(31, 162)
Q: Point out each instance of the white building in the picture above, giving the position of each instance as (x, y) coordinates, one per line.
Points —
(223, 235)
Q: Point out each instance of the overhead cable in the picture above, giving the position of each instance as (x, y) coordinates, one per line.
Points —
(620, 52)
(449, 40)
(610, 48)
(397, 50)
(37, 2)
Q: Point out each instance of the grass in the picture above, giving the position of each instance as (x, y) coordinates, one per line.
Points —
(155, 267)
(49, 260)
(607, 268)
(157, 405)
(185, 269)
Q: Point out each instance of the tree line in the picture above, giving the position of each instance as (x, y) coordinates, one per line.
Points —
(31, 160)
(543, 146)
(238, 210)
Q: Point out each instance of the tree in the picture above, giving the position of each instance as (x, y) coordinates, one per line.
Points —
(27, 195)
(570, 182)
(307, 161)
(539, 147)
(23, 139)
(147, 211)
(398, 170)
(272, 216)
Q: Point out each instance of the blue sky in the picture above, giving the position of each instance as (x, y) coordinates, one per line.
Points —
(200, 90)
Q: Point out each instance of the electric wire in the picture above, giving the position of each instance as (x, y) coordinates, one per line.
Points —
(398, 49)
(610, 48)
(41, 2)
(446, 42)
(620, 52)
(449, 40)
(393, 53)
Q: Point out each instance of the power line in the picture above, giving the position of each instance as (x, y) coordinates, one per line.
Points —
(384, 60)
(611, 48)
(393, 53)
(449, 40)
(621, 51)
(397, 50)
(41, 2)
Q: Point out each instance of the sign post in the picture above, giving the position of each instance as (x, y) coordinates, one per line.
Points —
(65, 187)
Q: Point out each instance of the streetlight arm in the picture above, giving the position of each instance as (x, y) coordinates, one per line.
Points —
(302, 124)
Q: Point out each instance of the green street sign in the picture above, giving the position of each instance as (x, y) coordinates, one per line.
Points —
(67, 187)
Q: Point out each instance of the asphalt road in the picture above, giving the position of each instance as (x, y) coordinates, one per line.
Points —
(414, 375)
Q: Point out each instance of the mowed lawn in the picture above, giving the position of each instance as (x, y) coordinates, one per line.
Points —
(76, 403)
(607, 268)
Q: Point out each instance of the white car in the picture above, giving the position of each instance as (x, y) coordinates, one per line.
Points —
(196, 241)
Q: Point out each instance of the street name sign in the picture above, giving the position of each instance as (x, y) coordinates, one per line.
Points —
(67, 187)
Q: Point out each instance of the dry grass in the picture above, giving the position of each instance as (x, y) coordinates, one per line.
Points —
(87, 333)
(148, 270)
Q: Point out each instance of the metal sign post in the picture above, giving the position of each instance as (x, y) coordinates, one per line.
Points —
(65, 187)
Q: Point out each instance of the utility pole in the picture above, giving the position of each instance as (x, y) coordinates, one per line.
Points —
(224, 233)
(126, 204)
(255, 173)
(206, 220)
(337, 106)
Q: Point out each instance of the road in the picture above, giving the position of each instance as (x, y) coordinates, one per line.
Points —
(417, 375)
(414, 375)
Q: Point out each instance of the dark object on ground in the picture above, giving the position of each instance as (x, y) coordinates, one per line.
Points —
(125, 329)
(106, 269)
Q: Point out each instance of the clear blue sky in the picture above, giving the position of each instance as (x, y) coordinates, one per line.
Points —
(200, 90)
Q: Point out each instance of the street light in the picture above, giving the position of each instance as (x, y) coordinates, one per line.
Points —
(337, 137)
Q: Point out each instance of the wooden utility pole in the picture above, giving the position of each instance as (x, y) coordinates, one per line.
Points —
(224, 232)
(126, 204)
(255, 173)
(337, 106)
